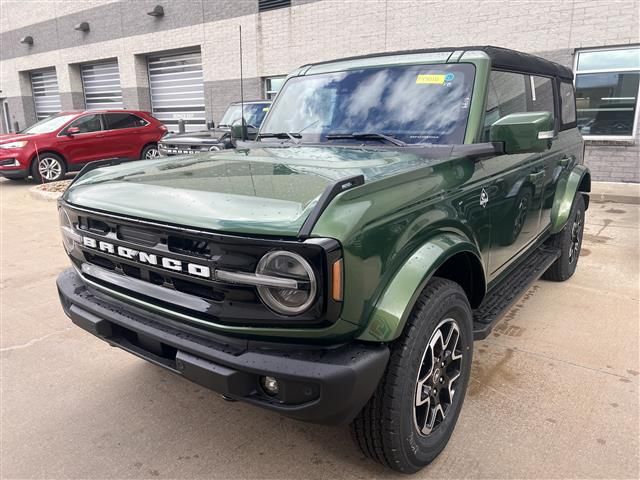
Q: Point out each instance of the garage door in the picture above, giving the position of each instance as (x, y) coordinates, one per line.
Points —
(101, 85)
(44, 85)
(177, 90)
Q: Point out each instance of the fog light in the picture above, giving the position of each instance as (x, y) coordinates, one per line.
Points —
(270, 385)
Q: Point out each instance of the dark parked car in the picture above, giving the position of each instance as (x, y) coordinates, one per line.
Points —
(339, 268)
(68, 140)
(217, 138)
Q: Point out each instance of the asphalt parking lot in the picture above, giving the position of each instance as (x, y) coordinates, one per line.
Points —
(554, 390)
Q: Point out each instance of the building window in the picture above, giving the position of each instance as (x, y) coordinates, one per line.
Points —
(264, 5)
(272, 85)
(607, 86)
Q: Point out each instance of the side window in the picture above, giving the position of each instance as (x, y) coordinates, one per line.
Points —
(116, 121)
(567, 104)
(88, 123)
(516, 93)
(541, 96)
(507, 94)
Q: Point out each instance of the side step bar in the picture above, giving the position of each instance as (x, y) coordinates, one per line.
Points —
(504, 295)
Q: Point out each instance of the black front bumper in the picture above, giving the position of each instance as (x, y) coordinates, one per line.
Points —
(317, 384)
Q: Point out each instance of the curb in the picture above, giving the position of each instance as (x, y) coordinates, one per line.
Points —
(602, 192)
(39, 194)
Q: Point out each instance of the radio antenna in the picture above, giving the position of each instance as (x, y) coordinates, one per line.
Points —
(244, 128)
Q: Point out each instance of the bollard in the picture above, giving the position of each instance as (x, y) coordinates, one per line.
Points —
(181, 125)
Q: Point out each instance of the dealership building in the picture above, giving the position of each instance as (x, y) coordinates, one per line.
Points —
(180, 59)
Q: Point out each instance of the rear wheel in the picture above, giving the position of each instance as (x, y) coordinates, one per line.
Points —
(412, 414)
(569, 242)
(150, 152)
(48, 167)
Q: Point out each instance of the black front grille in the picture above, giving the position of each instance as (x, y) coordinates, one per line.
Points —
(188, 246)
(139, 236)
(218, 302)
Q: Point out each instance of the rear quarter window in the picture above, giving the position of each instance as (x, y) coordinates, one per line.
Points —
(117, 121)
(567, 105)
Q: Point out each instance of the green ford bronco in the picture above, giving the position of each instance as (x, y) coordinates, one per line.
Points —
(338, 268)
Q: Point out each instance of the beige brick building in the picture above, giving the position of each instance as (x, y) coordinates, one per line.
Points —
(126, 57)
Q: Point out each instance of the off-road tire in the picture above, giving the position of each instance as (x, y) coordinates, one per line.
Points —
(569, 242)
(385, 429)
(55, 171)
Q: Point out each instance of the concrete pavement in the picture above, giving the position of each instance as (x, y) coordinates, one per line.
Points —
(554, 390)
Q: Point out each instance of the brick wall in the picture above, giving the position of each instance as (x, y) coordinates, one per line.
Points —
(278, 41)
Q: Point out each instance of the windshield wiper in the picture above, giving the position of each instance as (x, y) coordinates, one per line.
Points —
(365, 135)
(289, 135)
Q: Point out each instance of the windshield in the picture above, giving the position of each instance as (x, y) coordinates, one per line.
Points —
(253, 114)
(49, 124)
(414, 104)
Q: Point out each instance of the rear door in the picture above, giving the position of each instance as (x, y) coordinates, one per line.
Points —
(566, 150)
(125, 134)
(542, 98)
(86, 145)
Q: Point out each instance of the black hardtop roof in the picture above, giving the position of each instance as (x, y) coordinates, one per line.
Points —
(501, 58)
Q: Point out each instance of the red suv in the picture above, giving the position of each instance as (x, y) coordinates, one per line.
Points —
(66, 141)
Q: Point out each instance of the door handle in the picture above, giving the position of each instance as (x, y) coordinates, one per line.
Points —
(534, 177)
(566, 160)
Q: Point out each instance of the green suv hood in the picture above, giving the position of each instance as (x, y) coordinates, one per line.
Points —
(266, 191)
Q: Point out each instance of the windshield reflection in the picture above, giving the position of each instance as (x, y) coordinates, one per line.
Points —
(426, 104)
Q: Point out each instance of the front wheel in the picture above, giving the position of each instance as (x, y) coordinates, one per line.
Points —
(48, 167)
(569, 242)
(150, 152)
(412, 414)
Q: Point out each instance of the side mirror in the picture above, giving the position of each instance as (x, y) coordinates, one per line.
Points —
(524, 132)
(237, 130)
(252, 132)
(71, 131)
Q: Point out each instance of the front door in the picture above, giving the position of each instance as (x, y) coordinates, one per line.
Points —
(513, 200)
(515, 183)
(86, 144)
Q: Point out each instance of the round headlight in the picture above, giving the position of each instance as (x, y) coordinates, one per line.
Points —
(66, 228)
(287, 301)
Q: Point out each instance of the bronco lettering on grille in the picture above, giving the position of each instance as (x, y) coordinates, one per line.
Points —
(148, 258)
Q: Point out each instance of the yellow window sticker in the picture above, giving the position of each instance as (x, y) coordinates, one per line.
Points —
(435, 79)
(265, 109)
